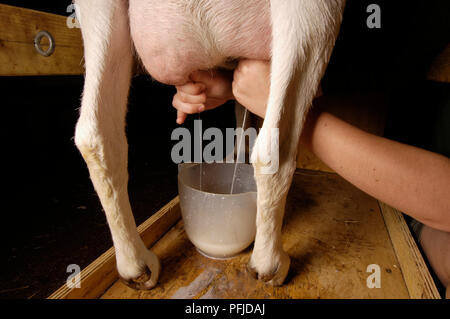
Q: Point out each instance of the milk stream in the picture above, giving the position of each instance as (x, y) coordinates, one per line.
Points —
(201, 153)
(238, 151)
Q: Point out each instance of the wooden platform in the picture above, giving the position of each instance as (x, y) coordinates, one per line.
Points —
(332, 232)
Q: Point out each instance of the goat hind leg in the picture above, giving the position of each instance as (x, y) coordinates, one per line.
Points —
(100, 130)
(303, 36)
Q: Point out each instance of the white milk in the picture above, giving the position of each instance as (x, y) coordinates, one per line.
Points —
(219, 250)
(220, 225)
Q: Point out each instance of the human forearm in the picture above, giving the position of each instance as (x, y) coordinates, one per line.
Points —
(413, 180)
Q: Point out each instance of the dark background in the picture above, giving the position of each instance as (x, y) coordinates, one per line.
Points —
(51, 216)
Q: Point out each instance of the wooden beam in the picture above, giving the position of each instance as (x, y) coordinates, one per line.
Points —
(102, 273)
(415, 272)
(18, 56)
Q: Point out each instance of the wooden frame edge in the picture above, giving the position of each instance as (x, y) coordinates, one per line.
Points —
(102, 273)
(18, 56)
(417, 278)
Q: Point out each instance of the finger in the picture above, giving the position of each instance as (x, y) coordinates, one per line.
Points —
(235, 88)
(188, 107)
(238, 73)
(181, 117)
(191, 88)
(243, 63)
(192, 99)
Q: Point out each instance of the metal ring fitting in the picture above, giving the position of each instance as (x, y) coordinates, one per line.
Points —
(37, 43)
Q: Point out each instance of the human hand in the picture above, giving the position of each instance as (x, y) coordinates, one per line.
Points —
(207, 90)
(251, 85)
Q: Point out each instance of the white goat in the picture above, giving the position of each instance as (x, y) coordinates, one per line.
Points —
(174, 38)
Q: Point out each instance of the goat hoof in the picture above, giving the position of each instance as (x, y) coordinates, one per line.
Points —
(143, 282)
(252, 271)
(149, 278)
(276, 275)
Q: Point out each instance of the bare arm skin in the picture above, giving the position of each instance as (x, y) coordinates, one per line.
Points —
(413, 180)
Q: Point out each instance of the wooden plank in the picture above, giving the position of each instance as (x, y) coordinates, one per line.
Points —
(440, 68)
(332, 231)
(415, 272)
(101, 273)
(18, 56)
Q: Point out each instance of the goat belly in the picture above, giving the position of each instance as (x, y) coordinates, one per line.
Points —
(173, 38)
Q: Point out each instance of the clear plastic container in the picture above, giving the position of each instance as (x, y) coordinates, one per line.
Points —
(219, 224)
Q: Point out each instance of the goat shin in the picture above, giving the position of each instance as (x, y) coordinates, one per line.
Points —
(100, 130)
(303, 36)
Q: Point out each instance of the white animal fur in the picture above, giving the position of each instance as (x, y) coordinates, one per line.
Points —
(303, 36)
